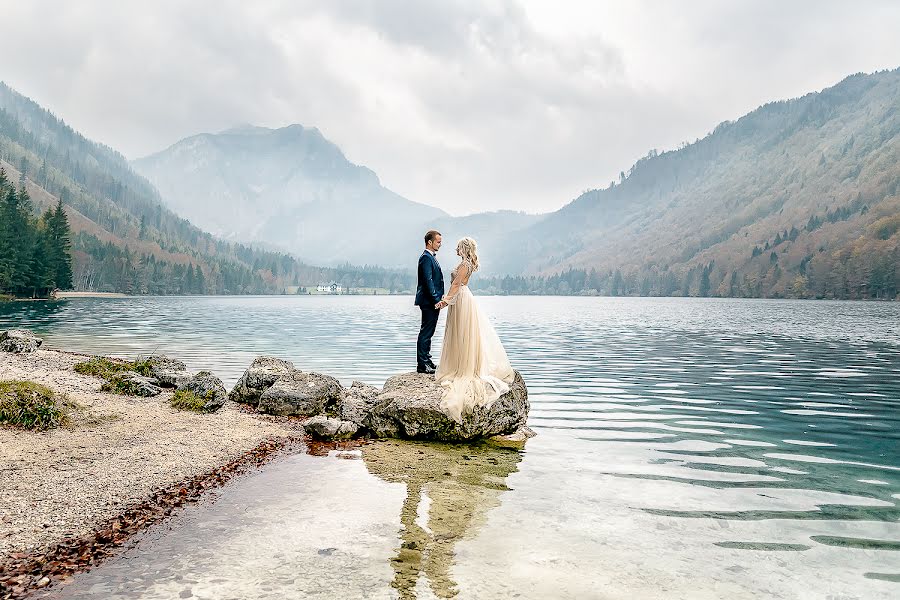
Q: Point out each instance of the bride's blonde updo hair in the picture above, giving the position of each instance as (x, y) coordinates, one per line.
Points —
(467, 249)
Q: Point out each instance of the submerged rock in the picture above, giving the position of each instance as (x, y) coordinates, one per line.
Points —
(302, 394)
(206, 385)
(259, 376)
(409, 407)
(516, 439)
(324, 427)
(19, 341)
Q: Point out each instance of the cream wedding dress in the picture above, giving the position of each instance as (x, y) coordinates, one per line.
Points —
(474, 369)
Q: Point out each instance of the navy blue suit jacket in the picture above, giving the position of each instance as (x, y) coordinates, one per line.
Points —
(430, 288)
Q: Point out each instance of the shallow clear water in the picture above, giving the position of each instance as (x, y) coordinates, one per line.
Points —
(687, 448)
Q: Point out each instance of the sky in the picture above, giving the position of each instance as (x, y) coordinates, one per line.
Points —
(469, 106)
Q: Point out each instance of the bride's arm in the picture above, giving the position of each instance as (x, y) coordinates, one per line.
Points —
(463, 272)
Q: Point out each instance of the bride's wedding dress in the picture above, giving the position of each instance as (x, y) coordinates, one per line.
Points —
(474, 369)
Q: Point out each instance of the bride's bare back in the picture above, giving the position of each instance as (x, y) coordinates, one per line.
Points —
(474, 368)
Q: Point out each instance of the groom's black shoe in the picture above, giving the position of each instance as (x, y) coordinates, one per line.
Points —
(431, 364)
(425, 369)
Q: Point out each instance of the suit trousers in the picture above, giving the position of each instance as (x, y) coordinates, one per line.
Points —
(426, 332)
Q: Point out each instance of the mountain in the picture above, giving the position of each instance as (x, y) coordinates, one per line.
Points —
(289, 188)
(496, 233)
(123, 238)
(797, 198)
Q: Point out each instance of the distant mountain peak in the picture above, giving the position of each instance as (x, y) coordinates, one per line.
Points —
(245, 128)
(292, 129)
(290, 187)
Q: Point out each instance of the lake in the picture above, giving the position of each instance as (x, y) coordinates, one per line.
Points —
(686, 448)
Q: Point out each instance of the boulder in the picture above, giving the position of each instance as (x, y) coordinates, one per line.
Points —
(173, 379)
(170, 372)
(302, 394)
(324, 427)
(206, 385)
(409, 407)
(130, 383)
(19, 341)
(359, 400)
(259, 377)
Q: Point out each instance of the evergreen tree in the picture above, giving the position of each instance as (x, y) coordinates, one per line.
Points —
(58, 248)
(34, 253)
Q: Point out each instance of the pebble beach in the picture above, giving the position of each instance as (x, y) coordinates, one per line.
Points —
(115, 451)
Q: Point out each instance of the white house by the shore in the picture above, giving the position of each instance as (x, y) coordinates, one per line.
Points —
(330, 288)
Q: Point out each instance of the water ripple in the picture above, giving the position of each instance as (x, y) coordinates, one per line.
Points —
(674, 410)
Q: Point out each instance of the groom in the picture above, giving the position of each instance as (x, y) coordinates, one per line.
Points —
(429, 291)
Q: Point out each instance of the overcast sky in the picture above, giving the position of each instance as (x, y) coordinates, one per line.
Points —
(466, 105)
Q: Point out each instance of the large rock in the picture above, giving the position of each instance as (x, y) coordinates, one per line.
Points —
(259, 377)
(358, 402)
(302, 394)
(19, 341)
(130, 383)
(170, 372)
(409, 407)
(207, 386)
(324, 427)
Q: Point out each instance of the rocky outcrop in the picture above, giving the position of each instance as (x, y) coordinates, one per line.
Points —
(324, 427)
(259, 376)
(207, 386)
(302, 394)
(359, 400)
(169, 372)
(409, 407)
(19, 341)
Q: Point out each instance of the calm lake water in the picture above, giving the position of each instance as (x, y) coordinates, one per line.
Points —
(686, 448)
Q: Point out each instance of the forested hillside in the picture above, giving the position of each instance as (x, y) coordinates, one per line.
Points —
(123, 238)
(800, 198)
(797, 199)
(35, 256)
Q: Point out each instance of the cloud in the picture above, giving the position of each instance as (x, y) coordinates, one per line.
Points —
(464, 105)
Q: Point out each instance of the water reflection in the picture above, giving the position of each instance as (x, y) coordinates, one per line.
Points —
(449, 491)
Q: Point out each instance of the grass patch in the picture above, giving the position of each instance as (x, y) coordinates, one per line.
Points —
(187, 400)
(31, 406)
(117, 384)
(107, 368)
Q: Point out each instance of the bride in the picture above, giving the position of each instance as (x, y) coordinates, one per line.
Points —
(474, 369)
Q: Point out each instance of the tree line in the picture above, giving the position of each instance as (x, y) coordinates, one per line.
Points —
(35, 257)
(864, 271)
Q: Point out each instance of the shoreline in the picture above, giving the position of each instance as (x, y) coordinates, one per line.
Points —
(61, 295)
(71, 495)
(24, 574)
(71, 295)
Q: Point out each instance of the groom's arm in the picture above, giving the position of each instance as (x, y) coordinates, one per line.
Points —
(427, 275)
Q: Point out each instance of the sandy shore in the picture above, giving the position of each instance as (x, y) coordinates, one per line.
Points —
(117, 451)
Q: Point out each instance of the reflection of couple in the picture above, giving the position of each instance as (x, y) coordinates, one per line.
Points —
(474, 369)
(449, 491)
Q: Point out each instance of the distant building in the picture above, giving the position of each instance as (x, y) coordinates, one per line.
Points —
(330, 288)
